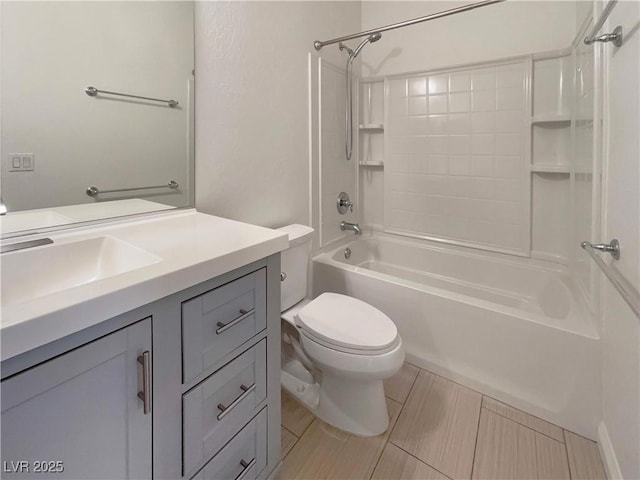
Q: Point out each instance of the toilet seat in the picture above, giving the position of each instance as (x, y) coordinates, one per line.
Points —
(347, 324)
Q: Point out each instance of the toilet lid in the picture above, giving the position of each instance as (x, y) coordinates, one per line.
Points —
(343, 321)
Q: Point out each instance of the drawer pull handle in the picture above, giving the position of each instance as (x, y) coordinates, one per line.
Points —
(145, 393)
(246, 391)
(223, 327)
(245, 468)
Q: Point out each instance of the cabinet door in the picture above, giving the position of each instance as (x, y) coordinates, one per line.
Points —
(82, 410)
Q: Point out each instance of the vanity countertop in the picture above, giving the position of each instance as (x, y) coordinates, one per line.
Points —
(190, 247)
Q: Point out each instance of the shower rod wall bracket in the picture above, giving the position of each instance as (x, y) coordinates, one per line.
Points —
(615, 37)
(613, 247)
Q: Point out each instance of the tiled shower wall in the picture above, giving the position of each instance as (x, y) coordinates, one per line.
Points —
(456, 164)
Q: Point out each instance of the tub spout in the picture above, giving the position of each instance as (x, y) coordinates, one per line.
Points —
(351, 226)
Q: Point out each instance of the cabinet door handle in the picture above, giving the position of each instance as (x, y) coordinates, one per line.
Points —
(245, 392)
(245, 468)
(223, 327)
(145, 393)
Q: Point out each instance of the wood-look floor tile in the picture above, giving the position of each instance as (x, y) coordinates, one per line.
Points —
(584, 458)
(523, 418)
(324, 452)
(295, 417)
(439, 424)
(510, 451)
(287, 441)
(397, 387)
(396, 464)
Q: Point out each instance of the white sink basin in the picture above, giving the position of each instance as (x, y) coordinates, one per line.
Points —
(32, 273)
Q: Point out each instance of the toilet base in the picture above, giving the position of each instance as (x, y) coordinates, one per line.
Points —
(356, 407)
(359, 408)
(308, 394)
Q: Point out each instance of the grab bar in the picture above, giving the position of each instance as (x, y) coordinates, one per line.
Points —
(629, 294)
(93, 92)
(615, 37)
(94, 191)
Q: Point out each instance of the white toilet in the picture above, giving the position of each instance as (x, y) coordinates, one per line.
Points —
(336, 349)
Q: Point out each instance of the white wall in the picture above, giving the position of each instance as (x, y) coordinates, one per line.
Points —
(252, 90)
(488, 33)
(621, 329)
(51, 51)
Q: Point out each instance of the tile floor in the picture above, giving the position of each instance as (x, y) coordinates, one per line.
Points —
(438, 430)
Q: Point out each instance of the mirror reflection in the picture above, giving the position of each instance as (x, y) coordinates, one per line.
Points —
(97, 110)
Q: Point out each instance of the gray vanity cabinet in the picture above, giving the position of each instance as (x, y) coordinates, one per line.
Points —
(79, 415)
(207, 361)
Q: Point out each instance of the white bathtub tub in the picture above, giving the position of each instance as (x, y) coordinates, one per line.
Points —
(508, 327)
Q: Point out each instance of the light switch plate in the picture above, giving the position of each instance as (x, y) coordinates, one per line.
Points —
(21, 162)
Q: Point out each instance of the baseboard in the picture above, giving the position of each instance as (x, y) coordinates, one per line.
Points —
(608, 453)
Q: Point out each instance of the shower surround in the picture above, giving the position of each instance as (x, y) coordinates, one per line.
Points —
(465, 187)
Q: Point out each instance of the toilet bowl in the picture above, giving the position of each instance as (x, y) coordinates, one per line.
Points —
(337, 350)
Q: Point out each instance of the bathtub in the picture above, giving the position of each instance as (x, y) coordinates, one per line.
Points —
(512, 328)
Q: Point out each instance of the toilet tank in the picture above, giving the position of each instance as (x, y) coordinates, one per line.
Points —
(295, 265)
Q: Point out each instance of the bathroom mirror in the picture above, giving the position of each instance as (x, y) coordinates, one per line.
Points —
(71, 154)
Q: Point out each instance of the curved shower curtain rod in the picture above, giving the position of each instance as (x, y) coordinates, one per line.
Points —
(318, 44)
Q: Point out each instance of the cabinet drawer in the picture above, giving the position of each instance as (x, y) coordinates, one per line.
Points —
(216, 409)
(244, 457)
(217, 322)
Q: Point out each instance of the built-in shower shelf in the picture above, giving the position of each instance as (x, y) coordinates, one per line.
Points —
(372, 127)
(551, 168)
(551, 119)
(371, 163)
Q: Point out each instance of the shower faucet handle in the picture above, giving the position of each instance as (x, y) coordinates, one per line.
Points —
(343, 204)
